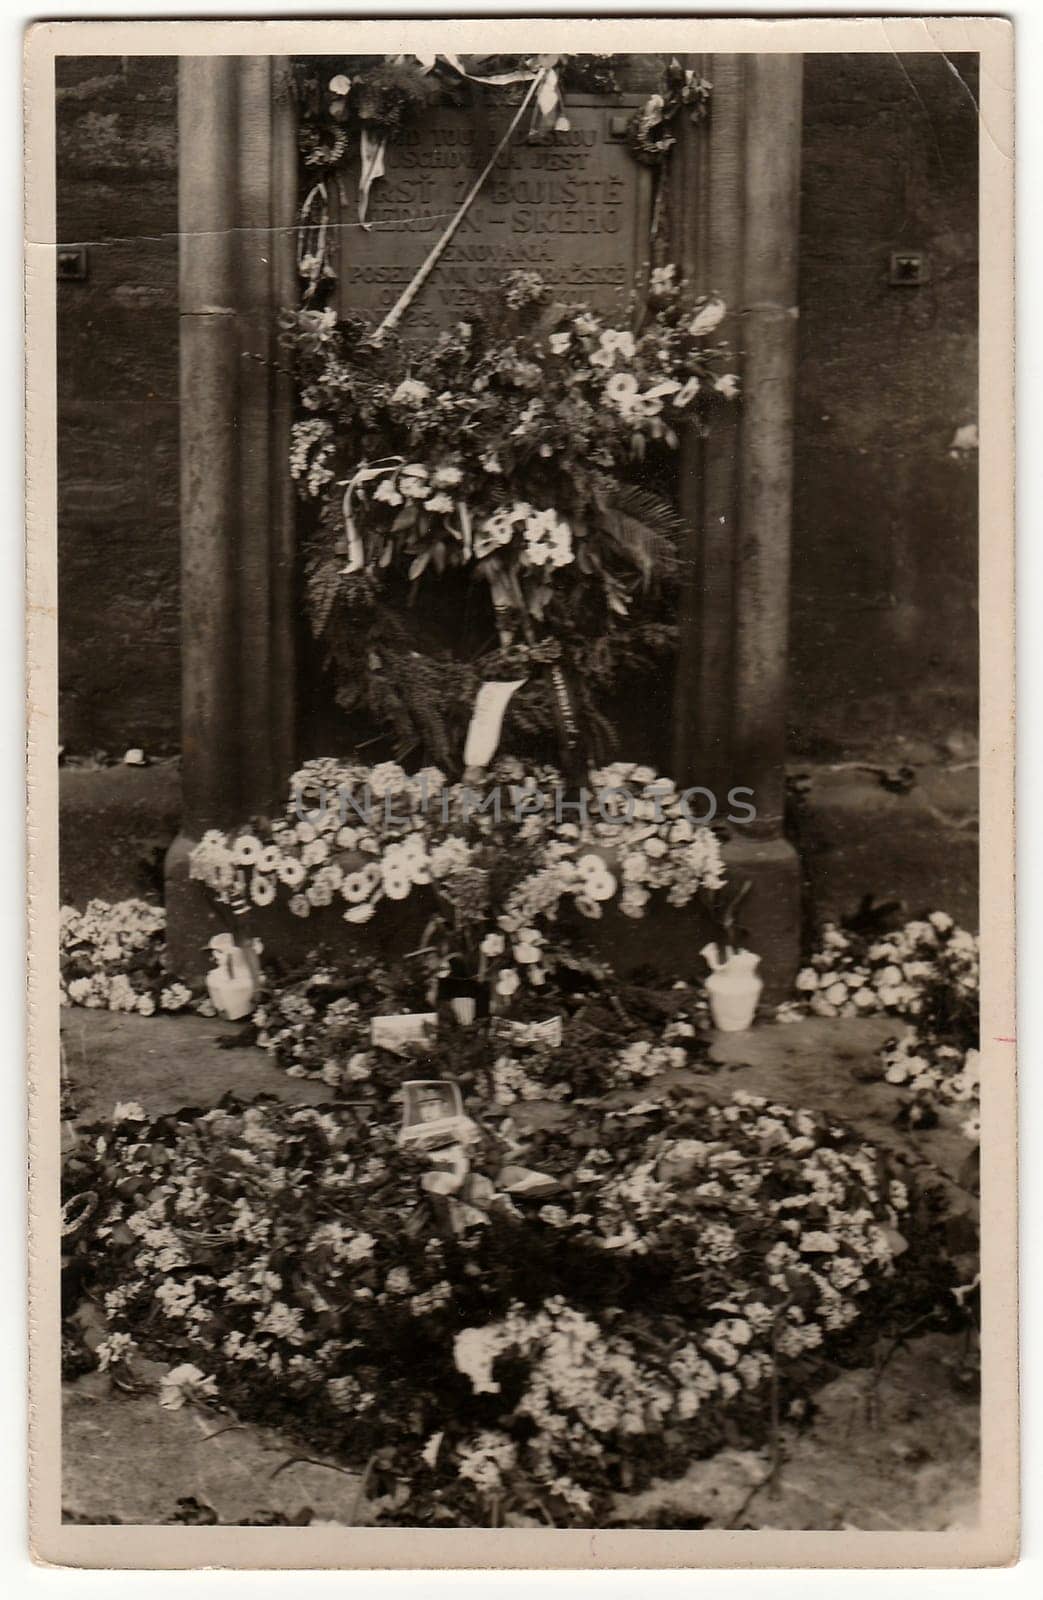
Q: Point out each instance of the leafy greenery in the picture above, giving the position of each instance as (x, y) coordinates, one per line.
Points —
(485, 504)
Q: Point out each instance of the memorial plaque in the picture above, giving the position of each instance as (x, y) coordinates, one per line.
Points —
(572, 205)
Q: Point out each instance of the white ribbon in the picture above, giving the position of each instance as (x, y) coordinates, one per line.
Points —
(372, 148)
(310, 263)
(365, 474)
(428, 63)
(483, 735)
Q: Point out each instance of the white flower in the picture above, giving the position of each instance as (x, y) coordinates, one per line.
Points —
(410, 392)
(728, 385)
(492, 945)
(387, 493)
(820, 1241)
(507, 982)
(707, 319)
(687, 393)
(184, 1385)
(114, 1350)
(414, 486)
(439, 503)
(340, 85)
(474, 1351)
(559, 342)
(621, 388)
(129, 1111)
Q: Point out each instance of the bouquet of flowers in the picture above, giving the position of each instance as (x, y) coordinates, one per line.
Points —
(501, 452)
(495, 864)
(111, 957)
(928, 973)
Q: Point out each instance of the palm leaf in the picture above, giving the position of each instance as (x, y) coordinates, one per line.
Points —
(646, 506)
(644, 528)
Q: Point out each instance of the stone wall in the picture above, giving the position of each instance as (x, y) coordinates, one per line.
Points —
(117, 405)
(884, 591)
(884, 580)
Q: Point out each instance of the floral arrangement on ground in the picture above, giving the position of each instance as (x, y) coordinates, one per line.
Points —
(926, 972)
(516, 1327)
(492, 862)
(584, 1035)
(112, 957)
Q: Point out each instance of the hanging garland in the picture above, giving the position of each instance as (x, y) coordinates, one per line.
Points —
(652, 131)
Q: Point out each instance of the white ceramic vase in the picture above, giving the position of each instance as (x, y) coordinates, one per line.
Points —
(733, 989)
(464, 1008)
(232, 983)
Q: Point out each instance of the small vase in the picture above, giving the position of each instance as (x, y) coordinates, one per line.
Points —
(466, 998)
(733, 988)
(232, 998)
(233, 982)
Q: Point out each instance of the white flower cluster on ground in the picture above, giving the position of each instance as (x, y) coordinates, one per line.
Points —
(111, 959)
(926, 972)
(849, 976)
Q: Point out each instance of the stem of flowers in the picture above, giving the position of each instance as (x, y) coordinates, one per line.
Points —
(776, 1440)
(360, 1492)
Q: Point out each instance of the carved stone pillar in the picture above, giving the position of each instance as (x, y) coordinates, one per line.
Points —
(738, 234)
(237, 212)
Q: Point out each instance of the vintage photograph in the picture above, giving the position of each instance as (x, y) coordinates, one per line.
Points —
(517, 706)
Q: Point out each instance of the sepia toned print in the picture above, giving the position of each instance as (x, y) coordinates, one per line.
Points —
(522, 995)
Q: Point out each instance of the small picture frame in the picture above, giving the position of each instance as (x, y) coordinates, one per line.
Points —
(431, 1107)
(546, 1034)
(401, 1029)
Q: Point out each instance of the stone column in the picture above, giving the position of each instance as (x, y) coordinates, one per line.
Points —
(741, 177)
(773, 127)
(709, 204)
(209, 447)
(237, 213)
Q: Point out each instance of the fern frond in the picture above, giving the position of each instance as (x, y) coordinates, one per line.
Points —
(323, 581)
(644, 505)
